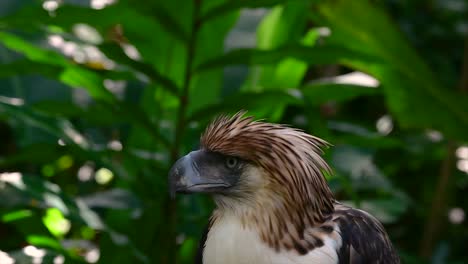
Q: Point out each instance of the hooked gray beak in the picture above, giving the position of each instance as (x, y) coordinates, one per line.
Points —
(196, 172)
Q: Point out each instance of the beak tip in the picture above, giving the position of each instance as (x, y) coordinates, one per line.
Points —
(176, 176)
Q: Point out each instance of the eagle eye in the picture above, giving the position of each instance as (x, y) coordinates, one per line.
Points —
(231, 162)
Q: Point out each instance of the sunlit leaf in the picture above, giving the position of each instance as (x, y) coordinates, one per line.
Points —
(31, 51)
(56, 223)
(82, 78)
(187, 249)
(283, 25)
(28, 190)
(43, 241)
(313, 56)
(15, 215)
(70, 74)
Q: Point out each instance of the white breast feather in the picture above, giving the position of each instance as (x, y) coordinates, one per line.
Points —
(229, 243)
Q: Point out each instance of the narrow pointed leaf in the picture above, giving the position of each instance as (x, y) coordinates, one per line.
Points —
(320, 93)
(311, 55)
(234, 5)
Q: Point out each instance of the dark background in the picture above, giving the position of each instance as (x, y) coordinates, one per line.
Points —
(99, 98)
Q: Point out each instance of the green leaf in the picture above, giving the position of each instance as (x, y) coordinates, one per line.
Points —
(206, 87)
(22, 67)
(284, 25)
(43, 241)
(56, 223)
(58, 127)
(81, 78)
(30, 190)
(186, 250)
(290, 72)
(408, 84)
(319, 93)
(401, 84)
(108, 115)
(311, 55)
(70, 74)
(29, 18)
(61, 109)
(262, 103)
(235, 5)
(16, 215)
(115, 52)
(160, 13)
(30, 51)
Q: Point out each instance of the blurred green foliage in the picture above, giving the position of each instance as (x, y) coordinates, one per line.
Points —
(98, 98)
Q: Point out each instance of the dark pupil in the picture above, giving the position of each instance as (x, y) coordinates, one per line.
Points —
(231, 162)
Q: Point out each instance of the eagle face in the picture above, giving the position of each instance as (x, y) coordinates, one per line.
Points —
(204, 171)
(230, 179)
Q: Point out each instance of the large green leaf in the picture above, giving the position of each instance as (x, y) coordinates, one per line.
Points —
(410, 87)
(311, 55)
(284, 25)
(319, 93)
(260, 104)
(31, 51)
(70, 73)
(159, 12)
(206, 87)
(234, 5)
(78, 77)
(115, 53)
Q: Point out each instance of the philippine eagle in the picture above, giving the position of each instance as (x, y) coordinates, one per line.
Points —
(273, 204)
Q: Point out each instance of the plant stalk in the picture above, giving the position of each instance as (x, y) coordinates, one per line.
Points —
(181, 125)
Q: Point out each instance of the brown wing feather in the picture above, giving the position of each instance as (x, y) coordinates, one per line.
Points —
(364, 239)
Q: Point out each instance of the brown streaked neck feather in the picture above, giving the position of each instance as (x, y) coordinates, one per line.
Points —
(295, 195)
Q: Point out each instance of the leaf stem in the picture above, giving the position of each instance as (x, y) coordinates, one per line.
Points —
(181, 125)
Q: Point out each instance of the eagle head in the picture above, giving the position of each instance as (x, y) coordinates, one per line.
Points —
(250, 166)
